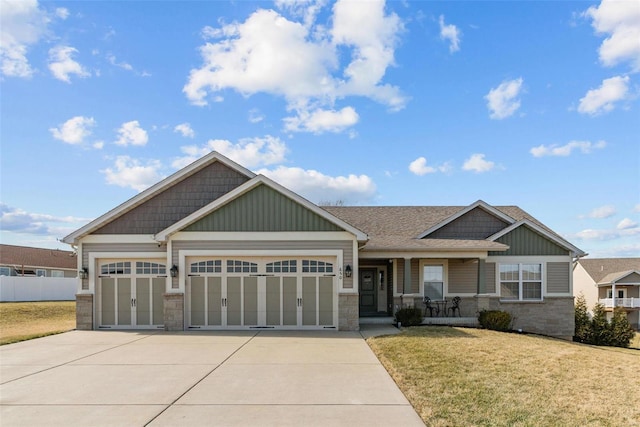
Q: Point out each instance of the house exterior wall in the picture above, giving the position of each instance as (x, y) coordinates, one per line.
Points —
(176, 202)
(632, 278)
(463, 276)
(584, 284)
(523, 241)
(558, 277)
(554, 316)
(475, 224)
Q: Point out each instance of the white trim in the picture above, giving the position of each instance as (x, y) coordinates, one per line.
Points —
(543, 281)
(260, 235)
(535, 227)
(124, 256)
(445, 274)
(119, 238)
(479, 204)
(154, 190)
(246, 187)
(481, 254)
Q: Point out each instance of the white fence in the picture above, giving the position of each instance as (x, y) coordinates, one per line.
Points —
(15, 288)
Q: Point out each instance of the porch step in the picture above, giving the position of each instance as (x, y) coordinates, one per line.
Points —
(451, 321)
(388, 320)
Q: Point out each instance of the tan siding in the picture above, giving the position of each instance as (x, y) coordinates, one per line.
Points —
(113, 247)
(631, 278)
(463, 276)
(558, 277)
(415, 276)
(400, 276)
(176, 202)
(491, 277)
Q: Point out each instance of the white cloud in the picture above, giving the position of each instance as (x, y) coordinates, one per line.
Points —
(124, 65)
(620, 21)
(19, 221)
(185, 130)
(22, 24)
(129, 172)
(255, 116)
(419, 167)
(316, 186)
(320, 121)
(626, 224)
(130, 133)
(503, 101)
(74, 130)
(301, 61)
(478, 164)
(585, 147)
(62, 12)
(249, 152)
(451, 33)
(602, 100)
(602, 212)
(98, 145)
(62, 65)
(607, 234)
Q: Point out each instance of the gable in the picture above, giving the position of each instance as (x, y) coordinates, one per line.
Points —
(525, 241)
(632, 278)
(177, 201)
(477, 224)
(262, 209)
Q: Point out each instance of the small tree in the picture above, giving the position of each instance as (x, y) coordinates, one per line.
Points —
(583, 323)
(620, 329)
(600, 329)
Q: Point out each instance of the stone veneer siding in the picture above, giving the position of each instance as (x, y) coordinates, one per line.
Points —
(84, 312)
(174, 312)
(348, 312)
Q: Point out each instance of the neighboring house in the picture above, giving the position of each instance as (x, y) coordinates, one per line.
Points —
(217, 246)
(613, 282)
(36, 262)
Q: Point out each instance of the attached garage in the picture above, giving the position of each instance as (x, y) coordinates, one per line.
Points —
(262, 292)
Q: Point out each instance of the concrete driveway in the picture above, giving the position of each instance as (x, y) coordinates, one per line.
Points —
(94, 378)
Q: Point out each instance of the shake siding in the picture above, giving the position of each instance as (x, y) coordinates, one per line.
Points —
(263, 209)
(558, 277)
(475, 224)
(524, 241)
(345, 245)
(463, 277)
(631, 278)
(176, 202)
(491, 277)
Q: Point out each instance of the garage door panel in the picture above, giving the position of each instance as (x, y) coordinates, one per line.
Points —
(143, 303)
(197, 301)
(325, 300)
(214, 301)
(309, 309)
(250, 301)
(158, 284)
(289, 301)
(234, 301)
(272, 299)
(124, 301)
(108, 301)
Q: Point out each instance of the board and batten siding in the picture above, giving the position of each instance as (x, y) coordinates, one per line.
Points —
(177, 201)
(346, 246)
(463, 276)
(523, 241)
(262, 209)
(558, 277)
(475, 224)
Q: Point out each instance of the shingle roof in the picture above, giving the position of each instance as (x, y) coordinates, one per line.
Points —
(37, 257)
(599, 268)
(396, 227)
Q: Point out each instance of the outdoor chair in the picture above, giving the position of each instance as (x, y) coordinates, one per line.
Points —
(455, 305)
(429, 307)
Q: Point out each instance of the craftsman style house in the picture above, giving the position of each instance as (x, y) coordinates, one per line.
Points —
(216, 246)
(612, 282)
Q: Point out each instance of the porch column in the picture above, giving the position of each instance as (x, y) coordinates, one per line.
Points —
(482, 276)
(613, 295)
(407, 276)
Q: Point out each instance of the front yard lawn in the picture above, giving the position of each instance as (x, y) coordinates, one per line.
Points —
(21, 321)
(473, 377)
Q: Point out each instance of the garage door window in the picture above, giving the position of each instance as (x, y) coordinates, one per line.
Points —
(116, 268)
(313, 266)
(150, 268)
(209, 266)
(287, 266)
(236, 266)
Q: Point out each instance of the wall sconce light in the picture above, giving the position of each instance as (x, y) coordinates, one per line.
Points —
(84, 273)
(174, 271)
(347, 270)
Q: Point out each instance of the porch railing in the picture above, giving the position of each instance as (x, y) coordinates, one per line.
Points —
(621, 302)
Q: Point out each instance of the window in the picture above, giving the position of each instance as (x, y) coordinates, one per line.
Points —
(433, 281)
(235, 266)
(210, 266)
(287, 266)
(313, 266)
(5, 271)
(521, 282)
(116, 268)
(41, 272)
(620, 293)
(57, 273)
(150, 268)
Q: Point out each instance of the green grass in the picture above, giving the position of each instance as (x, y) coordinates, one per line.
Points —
(21, 321)
(474, 377)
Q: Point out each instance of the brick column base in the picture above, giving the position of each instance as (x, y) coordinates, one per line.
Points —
(174, 312)
(84, 312)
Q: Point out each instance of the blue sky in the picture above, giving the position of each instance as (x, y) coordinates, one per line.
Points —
(531, 103)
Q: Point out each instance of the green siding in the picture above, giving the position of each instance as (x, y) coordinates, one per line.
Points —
(262, 209)
(524, 241)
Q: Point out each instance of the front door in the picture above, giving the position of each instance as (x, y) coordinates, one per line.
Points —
(368, 292)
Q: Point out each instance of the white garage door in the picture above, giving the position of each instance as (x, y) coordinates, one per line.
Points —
(291, 293)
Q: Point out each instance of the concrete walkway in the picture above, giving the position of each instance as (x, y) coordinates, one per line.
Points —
(266, 378)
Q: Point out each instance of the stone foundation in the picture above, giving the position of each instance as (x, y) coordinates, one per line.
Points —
(348, 312)
(174, 312)
(84, 312)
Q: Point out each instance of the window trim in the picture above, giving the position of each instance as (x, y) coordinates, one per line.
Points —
(521, 281)
(4, 269)
(445, 274)
(619, 289)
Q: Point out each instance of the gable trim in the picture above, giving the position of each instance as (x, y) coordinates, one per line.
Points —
(555, 239)
(245, 188)
(479, 204)
(620, 277)
(155, 189)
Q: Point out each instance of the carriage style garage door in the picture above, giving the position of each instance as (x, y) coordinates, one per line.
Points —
(244, 293)
(130, 294)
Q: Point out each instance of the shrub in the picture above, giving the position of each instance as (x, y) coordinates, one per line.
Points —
(599, 331)
(495, 320)
(583, 323)
(410, 316)
(621, 331)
